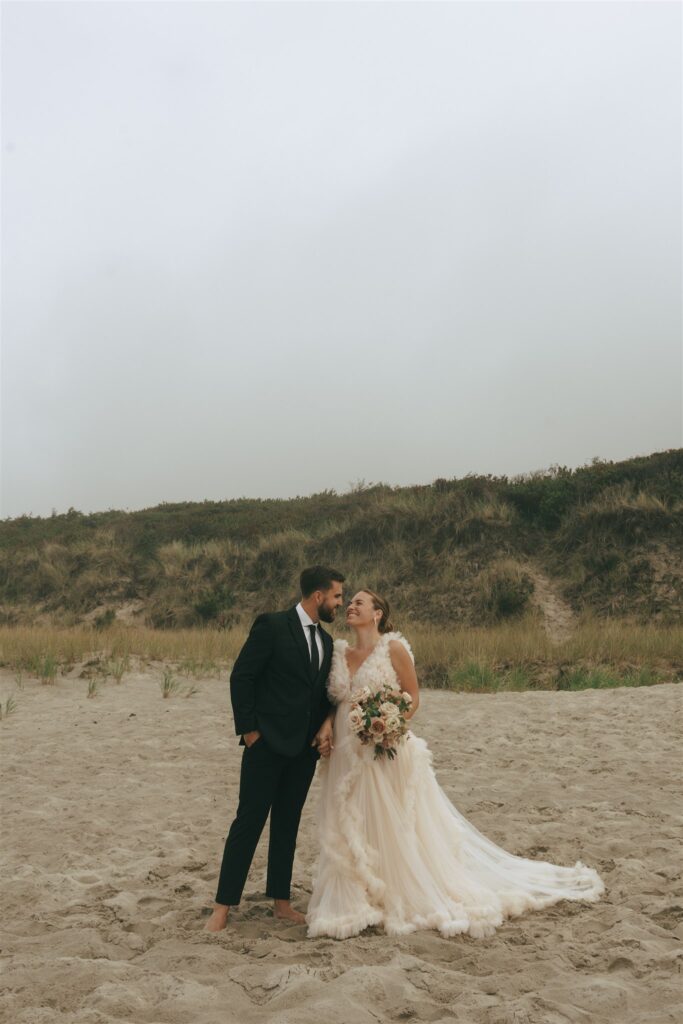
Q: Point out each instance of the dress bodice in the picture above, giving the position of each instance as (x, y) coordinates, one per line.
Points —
(376, 671)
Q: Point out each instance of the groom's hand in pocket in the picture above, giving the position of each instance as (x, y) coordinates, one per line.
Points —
(251, 737)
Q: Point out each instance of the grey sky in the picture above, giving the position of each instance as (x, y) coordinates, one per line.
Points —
(267, 249)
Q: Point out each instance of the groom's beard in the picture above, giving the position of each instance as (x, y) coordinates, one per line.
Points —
(326, 614)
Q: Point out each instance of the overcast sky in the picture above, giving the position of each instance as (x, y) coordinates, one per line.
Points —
(267, 249)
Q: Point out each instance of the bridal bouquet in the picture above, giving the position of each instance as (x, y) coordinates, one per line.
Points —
(378, 718)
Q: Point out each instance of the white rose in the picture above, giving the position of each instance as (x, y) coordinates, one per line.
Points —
(355, 719)
(407, 698)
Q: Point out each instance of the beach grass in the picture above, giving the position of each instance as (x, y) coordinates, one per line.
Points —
(519, 656)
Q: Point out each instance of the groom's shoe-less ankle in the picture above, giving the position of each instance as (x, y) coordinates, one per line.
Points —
(285, 912)
(218, 920)
(282, 910)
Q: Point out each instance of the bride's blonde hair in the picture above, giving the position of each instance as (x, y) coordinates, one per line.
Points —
(380, 605)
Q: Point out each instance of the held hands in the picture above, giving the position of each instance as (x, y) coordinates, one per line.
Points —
(323, 739)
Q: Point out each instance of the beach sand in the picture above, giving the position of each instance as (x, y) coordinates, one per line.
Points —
(115, 810)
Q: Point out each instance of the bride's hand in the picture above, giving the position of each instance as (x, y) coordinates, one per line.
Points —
(323, 739)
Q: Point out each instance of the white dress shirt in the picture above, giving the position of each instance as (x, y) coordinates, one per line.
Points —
(307, 621)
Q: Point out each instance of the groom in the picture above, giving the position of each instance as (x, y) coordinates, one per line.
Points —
(280, 706)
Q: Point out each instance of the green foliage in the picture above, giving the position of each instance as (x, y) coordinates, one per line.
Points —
(545, 498)
(504, 591)
(604, 678)
(277, 559)
(45, 667)
(117, 667)
(168, 685)
(472, 677)
(9, 708)
(584, 679)
(215, 605)
(610, 534)
(623, 515)
(105, 619)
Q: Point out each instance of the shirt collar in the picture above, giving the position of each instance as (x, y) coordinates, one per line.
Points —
(305, 618)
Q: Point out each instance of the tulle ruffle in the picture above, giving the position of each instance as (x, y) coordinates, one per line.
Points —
(395, 852)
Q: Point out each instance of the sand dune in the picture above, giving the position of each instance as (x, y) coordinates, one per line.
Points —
(115, 811)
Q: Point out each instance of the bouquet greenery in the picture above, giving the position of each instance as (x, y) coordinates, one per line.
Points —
(379, 718)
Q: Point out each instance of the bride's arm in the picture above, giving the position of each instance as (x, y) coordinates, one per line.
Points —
(405, 670)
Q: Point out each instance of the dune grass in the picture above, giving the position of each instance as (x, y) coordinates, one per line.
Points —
(509, 647)
(476, 678)
(608, 534)
(196, 651)
(601, 678)
(8, 708)
(168, 684)
(508, 656)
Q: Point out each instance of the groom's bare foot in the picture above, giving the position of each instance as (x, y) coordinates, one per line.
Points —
(218, 919)
(283, 910)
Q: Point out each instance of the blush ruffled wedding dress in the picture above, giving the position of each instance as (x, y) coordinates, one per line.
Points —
(394, 851)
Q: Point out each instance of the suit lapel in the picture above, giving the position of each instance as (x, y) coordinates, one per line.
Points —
(298, 634)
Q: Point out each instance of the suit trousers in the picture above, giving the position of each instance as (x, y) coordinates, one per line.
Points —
(269, 783)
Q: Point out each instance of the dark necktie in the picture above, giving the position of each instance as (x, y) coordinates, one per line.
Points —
(315, 660)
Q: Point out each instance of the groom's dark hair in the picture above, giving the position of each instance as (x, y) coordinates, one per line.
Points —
(318, 577)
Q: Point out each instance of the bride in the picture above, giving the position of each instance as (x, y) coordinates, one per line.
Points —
(394, 851)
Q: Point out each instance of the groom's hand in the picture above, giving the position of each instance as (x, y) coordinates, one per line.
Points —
(251, 737)
(323, 739)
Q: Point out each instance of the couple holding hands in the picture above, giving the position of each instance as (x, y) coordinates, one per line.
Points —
(393, 850)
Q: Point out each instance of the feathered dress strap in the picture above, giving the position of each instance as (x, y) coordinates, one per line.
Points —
(337, 681)
(396, 635)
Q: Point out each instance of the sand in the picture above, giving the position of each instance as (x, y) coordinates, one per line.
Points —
(115, 811)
